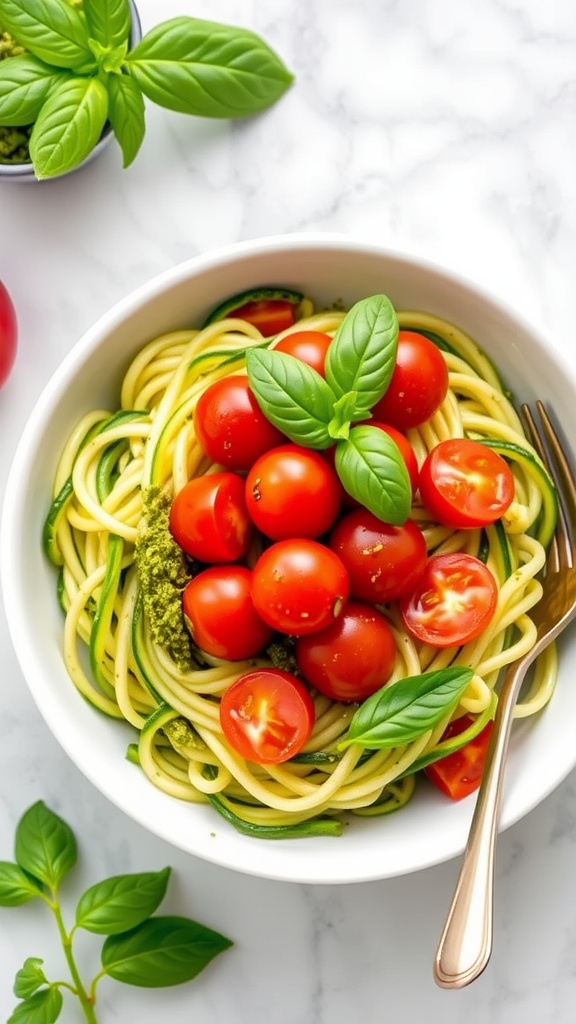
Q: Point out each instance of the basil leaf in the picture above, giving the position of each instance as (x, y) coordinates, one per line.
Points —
(373, 471)
(126, 115)
(121, 902)
(29, 978)
(292, 395)
(42, 1007)
(25, 83)
(68, 126)
(204, 68)
(400, 712)
(161, 951)
(45, 846)
(109, 21)
(15, 885)
(362, 354)
(55, 32)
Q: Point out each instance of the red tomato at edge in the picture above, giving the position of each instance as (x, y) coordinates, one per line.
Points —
(270, 316)
(459, 774)
(8, 334)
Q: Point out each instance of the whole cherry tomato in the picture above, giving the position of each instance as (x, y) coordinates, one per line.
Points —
(351, 658)
(452, 602)
(267, 715)
(292, 492)
(220, 614)
(418, 386)
(464, 484)
(299, 586)
(209, 520)
(308, 346)
(8, 334)
(383, 562)
(231, 428)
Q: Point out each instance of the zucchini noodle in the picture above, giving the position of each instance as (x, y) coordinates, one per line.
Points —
(114, 456)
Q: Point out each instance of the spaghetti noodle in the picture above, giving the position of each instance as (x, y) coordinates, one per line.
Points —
(114, 459)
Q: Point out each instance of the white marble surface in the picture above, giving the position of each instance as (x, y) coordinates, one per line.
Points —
(446, 130)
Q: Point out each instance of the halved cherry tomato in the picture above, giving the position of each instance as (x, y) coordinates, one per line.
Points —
(383, 562)
(209, 519)
(292, 492)
(453, 601)
(230, 426)
(299, 586)
(8, 334)
(308, 346)
(350, 659)
(459, 774)
(270, 316)
(267, 715)
(220, 614)
(464, 484)
(418, 386)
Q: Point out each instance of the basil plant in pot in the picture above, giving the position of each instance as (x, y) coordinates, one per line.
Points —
(80, 70)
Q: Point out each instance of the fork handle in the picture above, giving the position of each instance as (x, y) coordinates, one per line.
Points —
(466, 942)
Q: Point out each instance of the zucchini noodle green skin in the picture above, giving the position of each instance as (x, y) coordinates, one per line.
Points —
(96, 525)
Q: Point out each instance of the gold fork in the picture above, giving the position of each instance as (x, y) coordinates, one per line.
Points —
(466, 942)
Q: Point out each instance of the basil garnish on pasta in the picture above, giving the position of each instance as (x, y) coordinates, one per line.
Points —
(317, 413)
(401, 712)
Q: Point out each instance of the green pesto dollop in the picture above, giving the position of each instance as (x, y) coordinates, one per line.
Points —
(163, 573)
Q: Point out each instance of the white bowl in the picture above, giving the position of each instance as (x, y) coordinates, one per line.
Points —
(430, 829)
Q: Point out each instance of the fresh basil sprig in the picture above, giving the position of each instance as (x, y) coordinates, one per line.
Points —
(140, 948)
(401, 712)
(292, 395)
(361, 358)
(185, 64)
(318, 413)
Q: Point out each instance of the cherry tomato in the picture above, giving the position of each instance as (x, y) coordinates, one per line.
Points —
(464, 484)
(452, 602)
(308, 346)
(351, 658)
(230, 426)
(220, 614)
(383, 562)
(460, 773)
(267, 715)
(299, 586)
(293, 492)
(8, 334)
(209, 519)
(270, 316)
(418, 386)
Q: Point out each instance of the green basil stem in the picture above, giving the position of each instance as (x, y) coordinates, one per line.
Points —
(86, 1001)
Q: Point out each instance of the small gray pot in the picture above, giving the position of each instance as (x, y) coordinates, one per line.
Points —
(25, 172)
